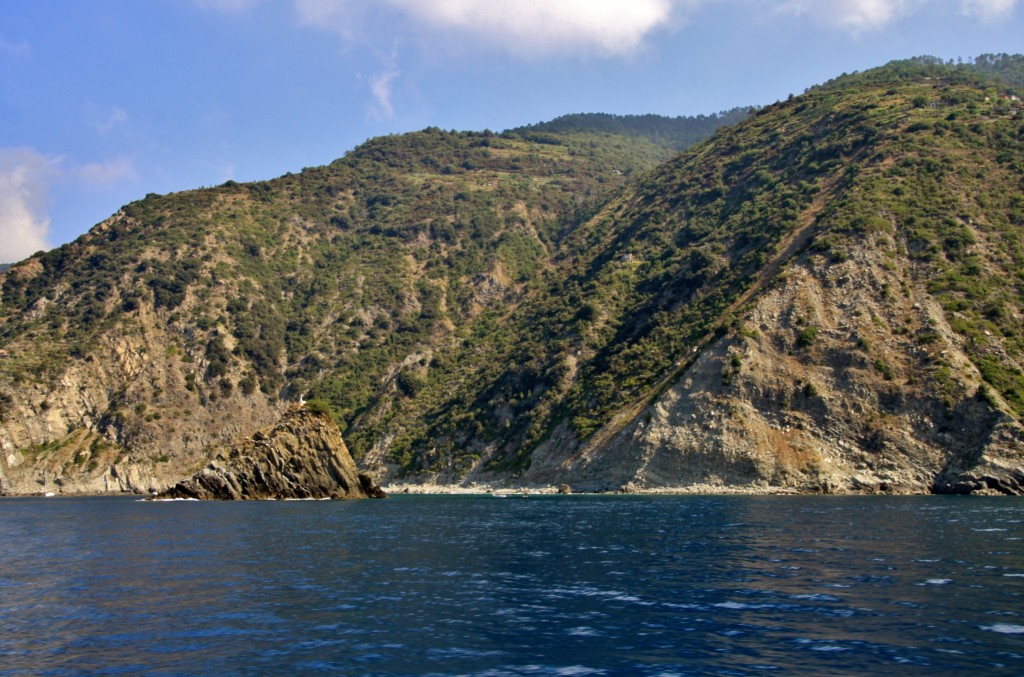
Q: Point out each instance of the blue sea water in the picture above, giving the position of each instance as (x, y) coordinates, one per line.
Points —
(564, 585)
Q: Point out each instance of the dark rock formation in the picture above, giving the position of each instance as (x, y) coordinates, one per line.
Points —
(302, 456)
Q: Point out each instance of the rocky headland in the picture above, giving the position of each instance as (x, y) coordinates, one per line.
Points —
(300, 457)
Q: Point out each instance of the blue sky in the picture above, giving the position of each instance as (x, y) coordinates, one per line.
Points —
(104, 101)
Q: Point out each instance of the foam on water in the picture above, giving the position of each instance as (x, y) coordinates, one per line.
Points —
(1005, 628)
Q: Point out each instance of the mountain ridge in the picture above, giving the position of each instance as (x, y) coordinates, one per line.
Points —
(676, 133)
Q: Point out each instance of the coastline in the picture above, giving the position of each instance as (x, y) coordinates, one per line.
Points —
(501, 489)
(478, 489)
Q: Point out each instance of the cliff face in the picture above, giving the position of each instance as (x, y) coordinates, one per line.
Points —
(300, 457)
(827, 384)
(121, 420)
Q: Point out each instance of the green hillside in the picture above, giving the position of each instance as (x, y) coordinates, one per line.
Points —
(546, 302)
(316, 284)
(925, 157)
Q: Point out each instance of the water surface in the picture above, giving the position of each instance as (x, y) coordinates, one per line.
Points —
(546, 585)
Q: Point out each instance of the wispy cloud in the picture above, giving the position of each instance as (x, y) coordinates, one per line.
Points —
(380, 85)
(853, 16)
(25, 177)
(340, 16)
(988, 10)
(609, 28)
(865, 16)
(115, 117)
(226, 171)
(106, 174)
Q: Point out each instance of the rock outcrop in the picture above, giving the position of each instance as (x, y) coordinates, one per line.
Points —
(127, 419)
(302, 456)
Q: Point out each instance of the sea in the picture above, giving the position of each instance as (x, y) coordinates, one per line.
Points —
(538, 585)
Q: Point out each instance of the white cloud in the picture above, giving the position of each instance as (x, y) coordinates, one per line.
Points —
(523, 27)
(106, 174)
(380, 85)
(25, 176)
(528, 27)
(988, 10)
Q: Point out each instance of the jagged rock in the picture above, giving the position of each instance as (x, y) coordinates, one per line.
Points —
(302, 456)
(987, 481)
(370, 488)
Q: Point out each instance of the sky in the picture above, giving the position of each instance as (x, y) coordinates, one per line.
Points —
(105, 101)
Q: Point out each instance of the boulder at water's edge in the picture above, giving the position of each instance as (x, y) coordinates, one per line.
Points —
(302, 456)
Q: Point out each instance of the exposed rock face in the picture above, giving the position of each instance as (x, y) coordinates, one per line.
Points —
(121, 421)
(302, 456)
(756, 409)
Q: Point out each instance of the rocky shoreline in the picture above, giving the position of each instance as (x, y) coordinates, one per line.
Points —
(506, 490)
(499, 489)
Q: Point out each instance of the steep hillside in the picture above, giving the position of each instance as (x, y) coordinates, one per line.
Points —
(186, 321)
(825, 297)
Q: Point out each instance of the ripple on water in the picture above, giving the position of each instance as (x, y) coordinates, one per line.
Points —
(573, 586)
